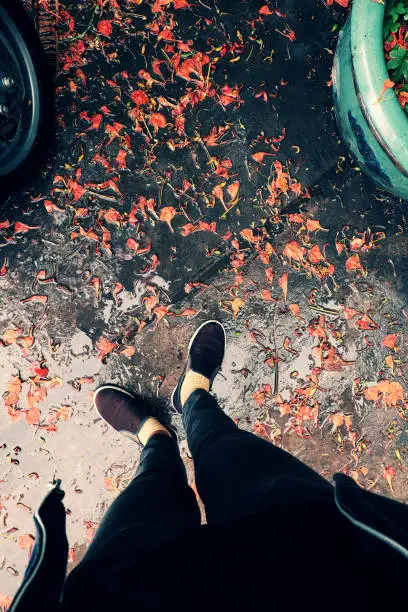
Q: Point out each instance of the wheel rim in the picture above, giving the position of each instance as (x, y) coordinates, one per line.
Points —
(19, 97)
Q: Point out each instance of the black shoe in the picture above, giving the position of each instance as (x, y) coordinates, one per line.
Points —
(121, 410)
(205, 356)
(124, 412)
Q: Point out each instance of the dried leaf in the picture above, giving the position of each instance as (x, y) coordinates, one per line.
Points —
(81, 212)
(192, 67)
(230, 95)
(293, 250)
(26, 342)
(354, 263)
(348, 421)
(95, 282)
(111, 484)
(389, 362)
(265, 10)
(287, 345)
(105, 27)
(266, 295)
(157, 120)
(117, 290)
(132, 244)
(343, 3)
(5, 601)
(339, 247)
(128, 351)
(121, 159)
(337, 419)
(233, 190)
(160, 312)
(390, 341)
(312, 225)
(150, 302)
(139, 97)
(50, 207)
(96, 121)
(36, 299)
(389, 473)
(113, 216)
(295, 310)
(10, 336)
(21, 228)
(391, 392)
(296, 218)
(4, 268)
(219, 194)
(104, 346)
(167, 214)
(188, 312)
(248, 234)
(65, 412)
(315, 255)
(90, 529)
(264, 393)
(366, 322)
(33, 416)
(26, 542)
(40, 369)
(351, 313)
(236, 306)
(76, 189)
(259, 157)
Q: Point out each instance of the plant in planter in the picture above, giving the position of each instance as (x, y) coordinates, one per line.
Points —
(370, 90)
(396, 47)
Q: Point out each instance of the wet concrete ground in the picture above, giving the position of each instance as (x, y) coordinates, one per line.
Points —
(299, 369)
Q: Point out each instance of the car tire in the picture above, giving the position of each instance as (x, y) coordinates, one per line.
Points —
(32, 139)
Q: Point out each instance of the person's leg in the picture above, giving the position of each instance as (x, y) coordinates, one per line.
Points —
(158, 505)
(154, 510)
(234, 468)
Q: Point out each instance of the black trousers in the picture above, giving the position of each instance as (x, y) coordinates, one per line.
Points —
(233, 471)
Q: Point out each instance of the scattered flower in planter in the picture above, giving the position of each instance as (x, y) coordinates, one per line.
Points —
(396, 47)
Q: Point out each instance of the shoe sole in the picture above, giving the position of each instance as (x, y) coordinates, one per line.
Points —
(188, 353)
(119, 388)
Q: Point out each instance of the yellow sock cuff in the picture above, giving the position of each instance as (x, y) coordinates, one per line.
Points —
(150, 427)
(193, 381)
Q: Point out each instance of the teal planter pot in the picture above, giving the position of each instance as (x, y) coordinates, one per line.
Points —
(376, 131)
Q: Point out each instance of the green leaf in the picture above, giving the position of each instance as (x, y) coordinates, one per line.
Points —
(396, 15)
(393, 64)
(397, 75)
(398, 53)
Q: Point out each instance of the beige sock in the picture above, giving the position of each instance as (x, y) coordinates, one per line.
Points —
(150, 427)
(193, 381)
